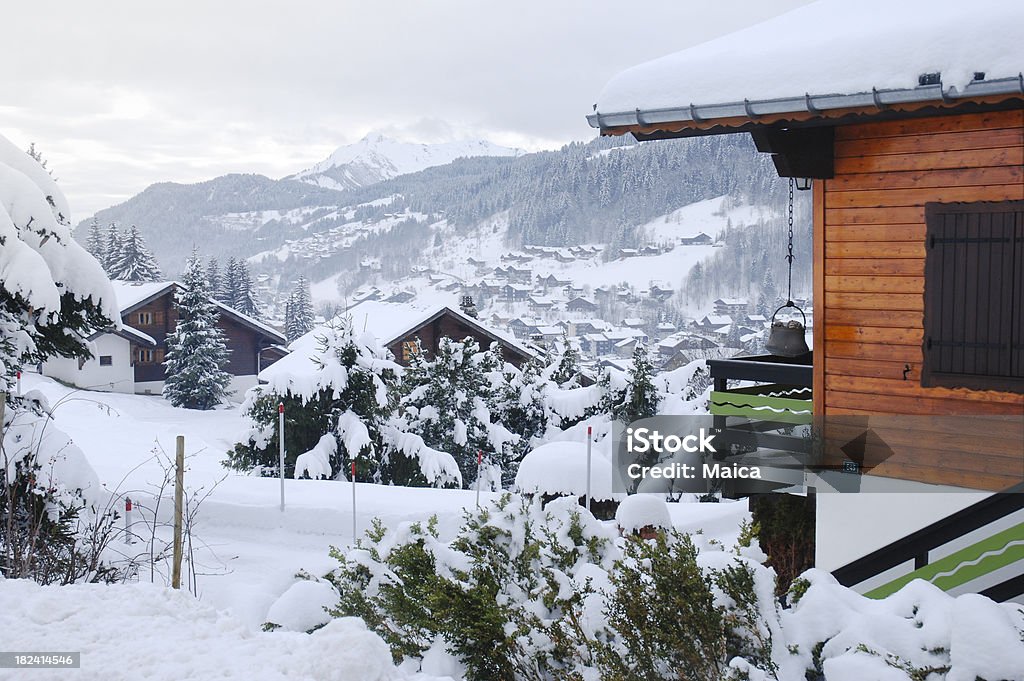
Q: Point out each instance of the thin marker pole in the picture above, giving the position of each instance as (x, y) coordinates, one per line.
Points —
(128, 520)
(354, 501)
(280, 439)
(590, 446)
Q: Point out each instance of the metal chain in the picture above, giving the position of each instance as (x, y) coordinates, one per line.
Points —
(789, 255)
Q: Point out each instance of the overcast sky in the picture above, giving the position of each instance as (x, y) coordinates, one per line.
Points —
(121, 94)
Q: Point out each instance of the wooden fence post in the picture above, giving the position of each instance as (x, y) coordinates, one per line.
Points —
(179, 484)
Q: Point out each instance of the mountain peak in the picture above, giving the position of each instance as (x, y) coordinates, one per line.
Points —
(378, 157)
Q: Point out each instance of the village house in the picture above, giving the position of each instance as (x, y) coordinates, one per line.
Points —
(130, 359)
(404, 329)
(701, 239)
(581, 304)
(731, 307)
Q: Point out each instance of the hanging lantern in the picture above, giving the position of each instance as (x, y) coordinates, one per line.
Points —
(788, 339)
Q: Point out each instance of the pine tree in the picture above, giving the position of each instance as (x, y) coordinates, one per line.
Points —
(214, 279)
(641, 398)
(299, 310)
(95, 242)
(229, 283)
(445, 403)
(196, 353)
(567, 371)
(242, 298)
(112, 249)
(768, 299)
(134, 262)
(519, 404)
(352, 396)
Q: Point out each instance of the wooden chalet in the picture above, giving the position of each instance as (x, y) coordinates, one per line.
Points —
(404, 329)
(908, 127)
(131, 359)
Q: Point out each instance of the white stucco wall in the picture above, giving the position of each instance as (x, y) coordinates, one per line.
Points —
(852, 525)
(118, 377)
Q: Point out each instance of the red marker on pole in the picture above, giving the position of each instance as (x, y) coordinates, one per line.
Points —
(19, 381)
(127, 520)
(280, 439)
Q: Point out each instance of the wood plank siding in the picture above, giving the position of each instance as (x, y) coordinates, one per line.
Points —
(869, 278)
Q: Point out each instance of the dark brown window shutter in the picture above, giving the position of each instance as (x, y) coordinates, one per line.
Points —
(974, 296)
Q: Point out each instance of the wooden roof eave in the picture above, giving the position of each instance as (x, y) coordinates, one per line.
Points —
(811, 116)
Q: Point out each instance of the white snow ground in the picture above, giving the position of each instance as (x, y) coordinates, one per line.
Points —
(247, 552)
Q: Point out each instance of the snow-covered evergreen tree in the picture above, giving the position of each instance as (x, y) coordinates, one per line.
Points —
(445, 403)
(243, 298)
(350, 399)
(566, 372)
(768, 299)
(229, 283)
(519, 404)
(630, 396)
(95, 242)
(112, 247)
(299, 310)
(134, 262)
(52, 295)
(196, 353)
(641, 396)
(214, 278)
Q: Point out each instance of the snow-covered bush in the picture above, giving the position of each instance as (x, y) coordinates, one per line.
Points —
(349, 397)
(671, 617)
(303, 607)
(54, 524)
(505, 597)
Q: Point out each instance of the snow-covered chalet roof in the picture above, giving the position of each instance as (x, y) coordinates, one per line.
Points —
(131, 295)
(828, 55)
(386, 322)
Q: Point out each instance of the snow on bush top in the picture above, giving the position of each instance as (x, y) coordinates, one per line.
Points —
(302, 606)
(831, 47)
(39, 250)
(561, 468)
(641, 510)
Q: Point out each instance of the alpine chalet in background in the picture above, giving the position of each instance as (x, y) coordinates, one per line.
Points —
(909, 123)
(130, 359)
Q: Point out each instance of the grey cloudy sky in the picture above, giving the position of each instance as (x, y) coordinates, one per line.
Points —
(121, 94)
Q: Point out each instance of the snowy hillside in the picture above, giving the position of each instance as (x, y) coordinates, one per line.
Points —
(376, 158)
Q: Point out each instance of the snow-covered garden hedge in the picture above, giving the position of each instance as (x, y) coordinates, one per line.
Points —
(536, 592)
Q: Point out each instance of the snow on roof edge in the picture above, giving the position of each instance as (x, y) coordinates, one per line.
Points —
(835, 53)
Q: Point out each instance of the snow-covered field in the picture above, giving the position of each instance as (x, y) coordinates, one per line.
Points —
(246, 550)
